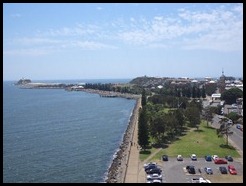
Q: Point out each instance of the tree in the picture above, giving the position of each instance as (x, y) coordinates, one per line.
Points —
(224, 129)
(192, 114)
(210, 88)
(230, 96)
(188, 92)
(203, 92)
(143, 134)
(143, 101)
(178, 114)
(194, 92)
(158, 127)
(198, 93)
(233, 116)
(208, 114)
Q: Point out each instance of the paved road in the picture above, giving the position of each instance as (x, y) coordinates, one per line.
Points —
(236, 139)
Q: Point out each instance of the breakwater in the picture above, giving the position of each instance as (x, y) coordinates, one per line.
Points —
(117, 170)
(111, 94)
(74, 87)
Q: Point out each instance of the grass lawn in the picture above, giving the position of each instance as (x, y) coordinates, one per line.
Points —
(200, 142)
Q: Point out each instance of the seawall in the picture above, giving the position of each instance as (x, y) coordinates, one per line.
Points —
(117, 170)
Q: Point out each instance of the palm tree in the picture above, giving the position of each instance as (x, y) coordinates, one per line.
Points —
(224, 129)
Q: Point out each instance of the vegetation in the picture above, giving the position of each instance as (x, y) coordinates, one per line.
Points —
(210, 88)
(224, 129)
(143, 132)
(170, 118)
(230, 96)
(122, 88)
(200, 142)
(233, 116)
(208, 114)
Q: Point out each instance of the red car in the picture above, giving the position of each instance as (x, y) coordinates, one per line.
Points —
(232, 169)
(220, 161)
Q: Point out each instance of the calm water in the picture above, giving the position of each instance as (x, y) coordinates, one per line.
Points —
(51, 135)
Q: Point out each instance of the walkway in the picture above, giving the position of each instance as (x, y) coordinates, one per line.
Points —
(133, 162)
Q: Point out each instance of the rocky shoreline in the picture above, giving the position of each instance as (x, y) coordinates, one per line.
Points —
(111, 94)
(117, 170)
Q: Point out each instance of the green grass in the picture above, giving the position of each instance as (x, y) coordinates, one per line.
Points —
(200, 142)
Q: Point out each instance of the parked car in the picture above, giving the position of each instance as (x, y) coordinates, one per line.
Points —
(154, 176)
(200, 180)
(220, 161)
(214, 157)
(154, 171)
(165, 158)
(150, 163)
(179, 158)
(232, 169)
(229, 158)
(151, 166)
(238, 126)
(191, 169)
(193, 157)
(208, 170)
(223, 170)
(208, 158)
(156, 181)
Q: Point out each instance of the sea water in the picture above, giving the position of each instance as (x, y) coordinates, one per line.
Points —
(58, 136)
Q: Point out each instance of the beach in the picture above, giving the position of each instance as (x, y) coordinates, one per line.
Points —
(118, 170)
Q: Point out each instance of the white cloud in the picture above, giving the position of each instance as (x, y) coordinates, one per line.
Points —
(159, 18)
(215, 29)
(90, 45)
(78, 30)
(99, 8)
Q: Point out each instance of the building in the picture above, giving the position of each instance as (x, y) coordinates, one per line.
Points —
(221, 83)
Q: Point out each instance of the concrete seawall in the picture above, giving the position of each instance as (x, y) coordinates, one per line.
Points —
(118, 168)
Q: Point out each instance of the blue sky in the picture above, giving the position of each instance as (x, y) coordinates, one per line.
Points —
(100, 41)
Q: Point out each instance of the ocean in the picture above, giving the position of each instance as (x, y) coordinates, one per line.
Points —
(58, 136)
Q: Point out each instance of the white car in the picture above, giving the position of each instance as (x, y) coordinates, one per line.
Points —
(193, 157)
(179, 158)
(154, 176)
(214, 157)
(154, 181)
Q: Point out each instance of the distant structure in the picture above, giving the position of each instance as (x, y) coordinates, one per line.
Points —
(222, 83)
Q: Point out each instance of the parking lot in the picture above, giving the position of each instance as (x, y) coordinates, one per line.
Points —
(174, 171)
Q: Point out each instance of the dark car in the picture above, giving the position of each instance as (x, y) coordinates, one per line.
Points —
(150, 166)
(165, 158)
(191, 169)
(208, 158)
(223, 170)
(238, 126)
(229, 158)
(154, 171)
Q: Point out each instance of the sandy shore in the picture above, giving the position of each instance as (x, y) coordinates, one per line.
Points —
(117, 170)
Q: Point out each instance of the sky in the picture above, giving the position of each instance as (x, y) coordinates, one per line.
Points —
(52, 41)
